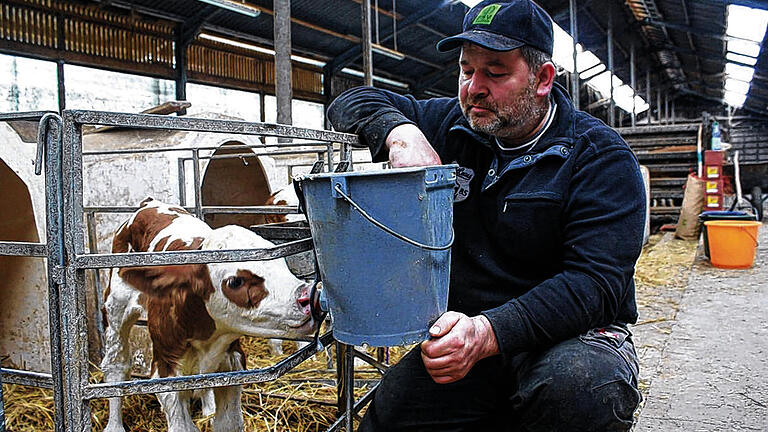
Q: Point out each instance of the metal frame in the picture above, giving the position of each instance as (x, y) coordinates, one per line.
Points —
(68, 261)
(49, 144)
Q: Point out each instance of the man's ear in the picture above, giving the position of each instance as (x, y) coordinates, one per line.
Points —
(545, 79)
(158, 280)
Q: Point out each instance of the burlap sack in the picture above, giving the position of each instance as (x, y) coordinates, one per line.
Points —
(693, 203)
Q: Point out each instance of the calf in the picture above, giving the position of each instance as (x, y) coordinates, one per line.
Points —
(283, 197)
(196, 313)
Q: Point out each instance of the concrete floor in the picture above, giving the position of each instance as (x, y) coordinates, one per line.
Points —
(710, 371)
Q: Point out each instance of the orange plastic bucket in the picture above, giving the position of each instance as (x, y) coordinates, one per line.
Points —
(732, 243)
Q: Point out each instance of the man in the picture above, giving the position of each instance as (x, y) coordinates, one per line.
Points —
(548, 218)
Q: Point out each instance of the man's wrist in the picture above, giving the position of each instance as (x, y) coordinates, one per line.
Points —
(489, 344)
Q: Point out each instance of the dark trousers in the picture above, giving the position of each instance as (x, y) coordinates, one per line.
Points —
(588, 383)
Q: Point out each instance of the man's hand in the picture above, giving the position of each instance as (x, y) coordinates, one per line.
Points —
(408, 147)
(458, 343)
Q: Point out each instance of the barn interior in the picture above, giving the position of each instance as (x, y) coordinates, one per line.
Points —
(684, 82)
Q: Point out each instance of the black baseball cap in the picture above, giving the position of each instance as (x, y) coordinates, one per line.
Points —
(504, 26)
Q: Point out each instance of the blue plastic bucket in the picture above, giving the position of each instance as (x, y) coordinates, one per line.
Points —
(382, 240)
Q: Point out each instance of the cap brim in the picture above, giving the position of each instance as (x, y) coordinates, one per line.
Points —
(487, 40)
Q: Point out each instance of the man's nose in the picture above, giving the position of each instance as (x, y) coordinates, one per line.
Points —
(477, 86)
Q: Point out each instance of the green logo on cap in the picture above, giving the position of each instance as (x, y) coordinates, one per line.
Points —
(486, 14)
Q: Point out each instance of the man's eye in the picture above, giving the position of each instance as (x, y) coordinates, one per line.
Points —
(466, 73)
(496, 75)
(235, 282)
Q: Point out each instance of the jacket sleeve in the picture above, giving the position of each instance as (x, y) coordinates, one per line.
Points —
(603, 224)
(372, 113)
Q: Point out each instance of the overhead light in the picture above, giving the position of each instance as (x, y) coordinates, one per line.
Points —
(262, 50)
(387, 52)
(741, 58)
(234, 6)
(376, 78)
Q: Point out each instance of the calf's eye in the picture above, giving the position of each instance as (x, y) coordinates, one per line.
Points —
(235, 282)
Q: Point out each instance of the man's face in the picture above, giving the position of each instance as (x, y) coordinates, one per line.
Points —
(497, 92)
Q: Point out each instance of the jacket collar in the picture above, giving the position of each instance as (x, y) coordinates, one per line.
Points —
(561, 131)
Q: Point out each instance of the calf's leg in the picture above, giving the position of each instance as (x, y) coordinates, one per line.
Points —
(122, 310)
(229, 413)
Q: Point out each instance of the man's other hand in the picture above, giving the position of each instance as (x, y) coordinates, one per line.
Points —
(408, 147)
(458, 342)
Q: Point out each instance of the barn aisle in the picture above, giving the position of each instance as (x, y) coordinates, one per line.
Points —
(711, 373)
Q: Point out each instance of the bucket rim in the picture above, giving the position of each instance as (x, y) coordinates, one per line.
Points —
(737, 223)
(378, 172)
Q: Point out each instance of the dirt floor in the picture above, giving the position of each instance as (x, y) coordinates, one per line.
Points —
(304, 400)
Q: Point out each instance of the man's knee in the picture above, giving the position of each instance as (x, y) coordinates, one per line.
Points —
(579, 390)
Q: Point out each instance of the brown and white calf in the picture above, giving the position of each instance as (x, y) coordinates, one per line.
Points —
(196, 313)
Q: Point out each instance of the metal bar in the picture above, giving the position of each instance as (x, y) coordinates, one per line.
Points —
(23, 249)
(182, 182)
(24, 115)
(180, 54)
(189, 257)
(197, 183)
(633, 82)
(358, 406)
(658, 106)
(365, 13)
(611, 111)
(349, 371)
(659, 129)
(2, 406)
(282, 37)
(216, 379)
(97, 295)
(575, 35)
(26, 378)
(209, 209)
(313, 147)
(341, 377)
(60, 86)
(648, 96)
(54, 212)
(75, 341)
(152, 121)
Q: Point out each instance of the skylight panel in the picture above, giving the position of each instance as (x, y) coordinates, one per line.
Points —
(742, 73)
(735, 99)
(594, 72)
(746, 22)
(747, 48)
(741, 58)
(736, 86)
(562, 50)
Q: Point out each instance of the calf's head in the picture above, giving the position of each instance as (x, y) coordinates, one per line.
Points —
(258, 298)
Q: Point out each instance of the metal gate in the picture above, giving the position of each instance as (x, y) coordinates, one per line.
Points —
(60, 139)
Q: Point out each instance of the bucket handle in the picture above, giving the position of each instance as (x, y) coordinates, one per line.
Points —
(371, 219)
(754, 239)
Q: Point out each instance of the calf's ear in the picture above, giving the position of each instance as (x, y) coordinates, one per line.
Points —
(158, 280)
